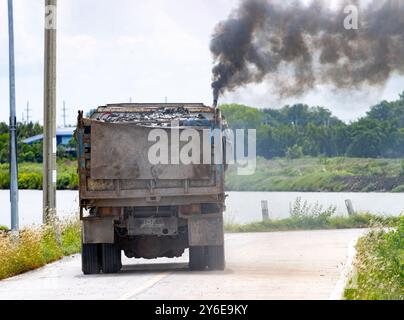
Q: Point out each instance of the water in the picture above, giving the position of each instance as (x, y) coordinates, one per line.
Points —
(245, 207)
(30, 206)
(242, 207)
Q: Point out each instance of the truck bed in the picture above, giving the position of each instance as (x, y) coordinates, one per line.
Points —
(113, 164)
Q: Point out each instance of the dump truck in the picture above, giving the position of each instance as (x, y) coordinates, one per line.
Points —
(149, 209)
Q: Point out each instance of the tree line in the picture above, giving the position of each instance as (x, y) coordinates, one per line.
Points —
(292, 131)
(300, 130)
(25, 152)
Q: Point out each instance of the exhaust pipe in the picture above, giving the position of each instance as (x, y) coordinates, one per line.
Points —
(215, 101)
(215, 98)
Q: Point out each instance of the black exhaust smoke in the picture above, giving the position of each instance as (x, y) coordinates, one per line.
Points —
(295, 46)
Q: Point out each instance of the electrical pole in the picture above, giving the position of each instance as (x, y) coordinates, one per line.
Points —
(13, 125)
(49, 139)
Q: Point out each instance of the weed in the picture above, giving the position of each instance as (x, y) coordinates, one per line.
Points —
(37, 246)
(379, 264)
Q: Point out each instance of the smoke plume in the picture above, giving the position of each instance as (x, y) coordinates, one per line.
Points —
(295, 46)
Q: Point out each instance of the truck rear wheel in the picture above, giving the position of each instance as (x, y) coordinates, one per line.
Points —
(215, 258)
(111, 258)
(90, 262)
(197, 258)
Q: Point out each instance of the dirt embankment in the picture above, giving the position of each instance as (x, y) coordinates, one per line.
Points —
(370, 184)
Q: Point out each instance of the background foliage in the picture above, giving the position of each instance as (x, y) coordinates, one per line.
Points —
(300, 130)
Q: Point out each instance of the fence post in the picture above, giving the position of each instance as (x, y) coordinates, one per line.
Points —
(349, 207)
(265, 210)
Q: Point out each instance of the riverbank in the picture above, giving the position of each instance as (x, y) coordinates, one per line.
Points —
(379, 265)
(321, 175)
(278, 175)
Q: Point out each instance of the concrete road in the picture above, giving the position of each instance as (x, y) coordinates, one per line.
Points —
(282, 265)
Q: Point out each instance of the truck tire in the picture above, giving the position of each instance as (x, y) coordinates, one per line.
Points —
(111, 258)
(215, 258)
(90, 262)
(197, 258)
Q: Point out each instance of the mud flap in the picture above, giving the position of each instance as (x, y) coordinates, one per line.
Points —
(98, 230)
(205, 230)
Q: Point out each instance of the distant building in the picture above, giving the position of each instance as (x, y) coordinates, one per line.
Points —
(63, 136)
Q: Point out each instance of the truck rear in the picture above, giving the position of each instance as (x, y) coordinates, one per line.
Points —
(151, 185)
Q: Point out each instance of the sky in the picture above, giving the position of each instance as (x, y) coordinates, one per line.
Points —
(139, 51)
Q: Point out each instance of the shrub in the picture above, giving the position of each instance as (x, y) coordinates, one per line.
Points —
(311, 214)
(295, 152)
(63, 181)
(399, 189)
(32, 181)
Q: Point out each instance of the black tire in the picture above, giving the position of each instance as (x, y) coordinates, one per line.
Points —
(215, 258)
(111, 258)
(90, 262)
(197, 258)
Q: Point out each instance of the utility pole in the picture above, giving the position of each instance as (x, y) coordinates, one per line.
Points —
(49, 140)
(13, 125)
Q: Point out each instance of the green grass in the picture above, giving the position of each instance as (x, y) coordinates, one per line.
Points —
(37, 246)
(379, 265)
(321, 175)
(356, 221)
(30, 176)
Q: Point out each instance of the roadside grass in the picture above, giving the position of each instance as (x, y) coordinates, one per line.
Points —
(36, 247)
(357, 221)
(379, 264)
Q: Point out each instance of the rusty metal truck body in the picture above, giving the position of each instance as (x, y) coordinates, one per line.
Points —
(147, 209)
